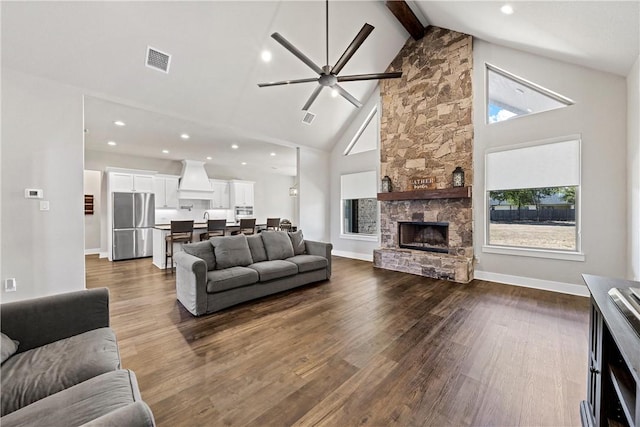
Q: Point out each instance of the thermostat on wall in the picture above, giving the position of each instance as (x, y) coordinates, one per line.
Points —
(33, 193)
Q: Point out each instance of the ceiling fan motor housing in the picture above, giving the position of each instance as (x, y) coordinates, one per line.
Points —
(327, 80)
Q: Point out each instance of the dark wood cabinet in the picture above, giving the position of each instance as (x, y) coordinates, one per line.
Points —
(613, 386)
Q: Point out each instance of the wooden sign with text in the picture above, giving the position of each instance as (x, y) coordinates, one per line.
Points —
(426, 183)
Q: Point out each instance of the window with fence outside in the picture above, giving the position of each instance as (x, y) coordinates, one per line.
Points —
(533, 196)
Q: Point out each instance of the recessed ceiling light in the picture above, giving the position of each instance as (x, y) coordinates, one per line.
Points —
(243, 163)
(184, 136)
(529, 110)
(507, 9)
(265, 55)
(208, 157)
(334, 93)
(234, 146)
(520, 91)
(119, 123)
(165, 151)
(111, 143)
(272, 154)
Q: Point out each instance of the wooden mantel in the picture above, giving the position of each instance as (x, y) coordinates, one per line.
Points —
(443, 193)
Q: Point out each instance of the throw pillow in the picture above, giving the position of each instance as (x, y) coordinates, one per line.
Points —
(202, 250)
(256, 246)
(297, 240)
(231, 251)
(277, 244)
(8, 347)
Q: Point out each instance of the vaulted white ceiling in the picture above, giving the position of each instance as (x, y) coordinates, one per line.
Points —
(216, 65)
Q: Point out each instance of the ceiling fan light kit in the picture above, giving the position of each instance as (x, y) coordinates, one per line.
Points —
(328, 75)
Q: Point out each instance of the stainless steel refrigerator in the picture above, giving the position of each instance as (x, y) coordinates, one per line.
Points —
(133, 221)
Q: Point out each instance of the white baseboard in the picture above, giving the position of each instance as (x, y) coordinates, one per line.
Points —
(104, 255)
(92, 251)
(354, 255)
(528, 282)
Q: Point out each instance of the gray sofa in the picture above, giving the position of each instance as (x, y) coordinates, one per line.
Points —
(61, 366)
(224, 271)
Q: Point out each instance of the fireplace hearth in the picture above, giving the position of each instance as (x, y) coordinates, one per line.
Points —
(424, 236)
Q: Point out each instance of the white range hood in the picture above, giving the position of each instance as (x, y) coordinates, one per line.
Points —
(194, 182)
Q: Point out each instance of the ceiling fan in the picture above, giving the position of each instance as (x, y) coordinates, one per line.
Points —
(328, 75)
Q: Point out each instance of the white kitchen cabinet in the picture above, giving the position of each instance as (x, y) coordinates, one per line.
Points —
(166, 191)
(241, 193)
(220, 194)
(129, 182)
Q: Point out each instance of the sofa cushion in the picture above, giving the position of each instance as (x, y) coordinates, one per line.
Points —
(8, 347)
(297, 241)
(309, 262)
(231, 251)
(269, 270)
(256, 246)
(277, 244)
(230, 278)
(81, 403)
(43, 371)
(202, 250)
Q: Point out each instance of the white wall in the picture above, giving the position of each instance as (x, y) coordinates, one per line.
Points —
(92, 223)
(599, 115)
(42, 147)
(313, 195)
(633, 169)
(360, 162)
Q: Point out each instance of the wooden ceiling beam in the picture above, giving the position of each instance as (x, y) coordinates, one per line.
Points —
(407, 18)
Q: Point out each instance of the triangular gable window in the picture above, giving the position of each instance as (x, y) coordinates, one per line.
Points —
(366, 139)
(510, 96)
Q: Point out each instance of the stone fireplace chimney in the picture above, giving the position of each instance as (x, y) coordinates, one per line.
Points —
(426, 132)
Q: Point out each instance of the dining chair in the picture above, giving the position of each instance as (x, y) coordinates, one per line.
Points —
(215, 227)
(181, 232)
(273, 224)
(247, 226)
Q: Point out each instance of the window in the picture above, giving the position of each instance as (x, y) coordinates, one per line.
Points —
(533, 195)
(510, 96)
(359, 207)
(366, 139)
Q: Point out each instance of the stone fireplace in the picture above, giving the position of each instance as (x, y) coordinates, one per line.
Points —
(426, 132)
(424, 236)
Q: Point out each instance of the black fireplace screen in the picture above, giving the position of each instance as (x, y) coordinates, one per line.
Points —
(424, 236)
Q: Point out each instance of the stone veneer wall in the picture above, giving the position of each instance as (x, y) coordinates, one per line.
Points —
(426, 130)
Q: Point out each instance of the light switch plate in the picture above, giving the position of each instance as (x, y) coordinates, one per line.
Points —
(10, 285)
(44, 205)
(33, 193)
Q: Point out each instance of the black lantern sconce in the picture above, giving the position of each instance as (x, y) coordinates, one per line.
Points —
(458, 177)
(387, 187)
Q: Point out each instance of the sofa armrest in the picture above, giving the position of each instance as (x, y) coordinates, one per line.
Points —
(39, 321)
(322, 249)
(191, 282)
(135, 414)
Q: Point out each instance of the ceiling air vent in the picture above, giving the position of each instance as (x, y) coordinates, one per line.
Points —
(308, 118)
(158, 60)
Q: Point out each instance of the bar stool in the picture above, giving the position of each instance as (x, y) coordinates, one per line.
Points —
(215, 227)
(181, 232)
(273, 224)
(247, 226)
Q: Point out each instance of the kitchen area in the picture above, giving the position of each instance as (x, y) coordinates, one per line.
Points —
(138, 206)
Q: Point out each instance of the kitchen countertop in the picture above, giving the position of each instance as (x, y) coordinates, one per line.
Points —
(196, 225)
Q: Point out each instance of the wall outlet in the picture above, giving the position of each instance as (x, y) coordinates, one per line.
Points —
(10, 285)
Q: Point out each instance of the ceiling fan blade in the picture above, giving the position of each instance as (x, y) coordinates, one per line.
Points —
(374, 76)
(312, 98)
(351, 49)
(288, 82)
(301, 56)
(346, 95)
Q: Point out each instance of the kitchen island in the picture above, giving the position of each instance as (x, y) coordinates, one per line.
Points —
(161, 231)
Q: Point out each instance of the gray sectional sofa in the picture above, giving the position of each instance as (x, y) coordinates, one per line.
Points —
(224, 271)
(61, 366)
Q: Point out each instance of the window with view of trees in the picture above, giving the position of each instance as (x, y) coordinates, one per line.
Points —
(533, 196)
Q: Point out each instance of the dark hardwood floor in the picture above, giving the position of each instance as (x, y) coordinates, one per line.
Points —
(369, 347)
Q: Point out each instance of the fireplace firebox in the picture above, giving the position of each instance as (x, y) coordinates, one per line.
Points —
(424, 236)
